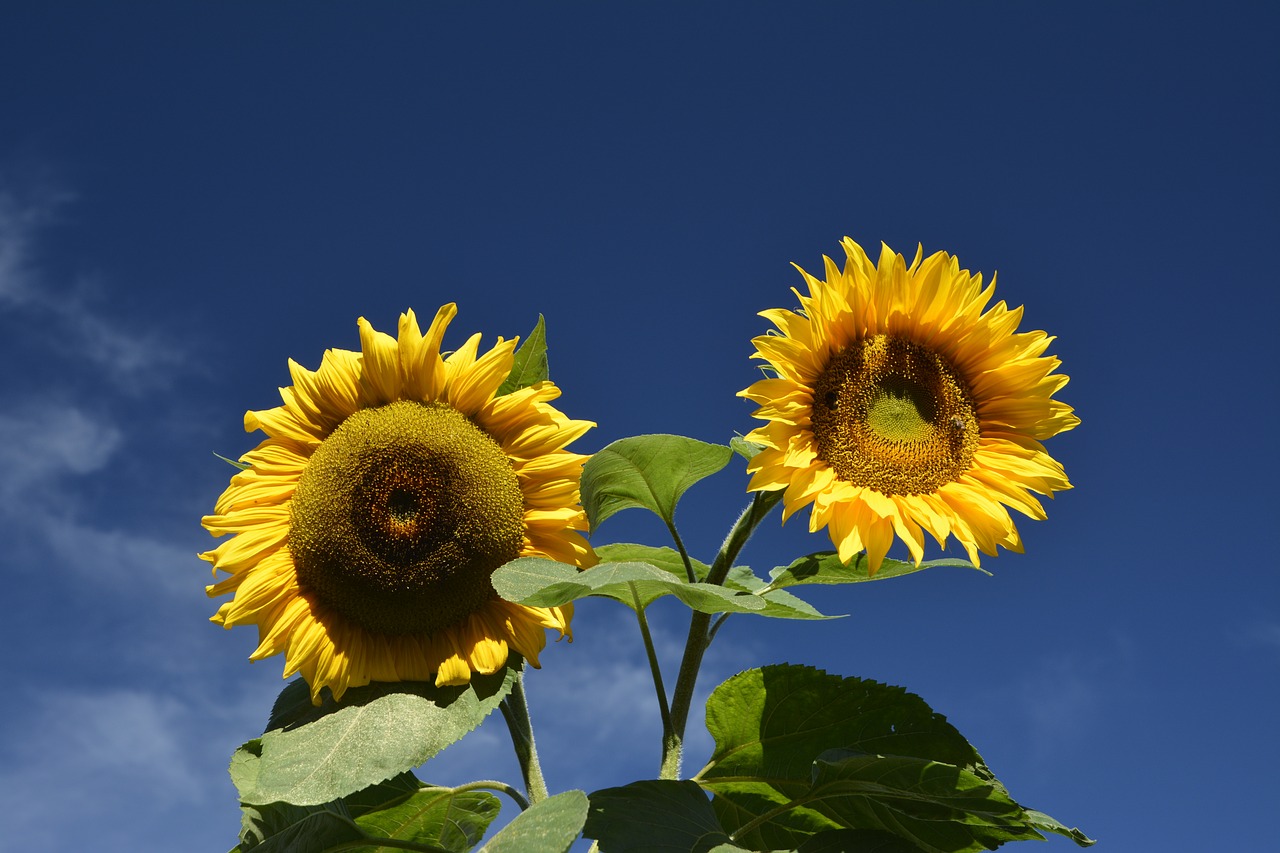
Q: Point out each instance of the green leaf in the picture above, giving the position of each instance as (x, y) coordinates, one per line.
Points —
(398, 808)
(1044, 823)
(438, 817)
(779, 604)
(282, 827)
(530, 365)
(539, 582)
(771, 724)
(775, 721)
(550, 826)
(825, 567)
(667, 559)
(376, 732)
(829, 753)
(285, 828)
(938, 807)
(655, 815)
(647, 471)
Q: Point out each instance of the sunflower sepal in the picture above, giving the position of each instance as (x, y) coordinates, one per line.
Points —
(529, 364)
(648, 472)
(377, 731)
(825, 567)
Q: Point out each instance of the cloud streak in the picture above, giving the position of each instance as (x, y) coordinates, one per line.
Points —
(133, 360)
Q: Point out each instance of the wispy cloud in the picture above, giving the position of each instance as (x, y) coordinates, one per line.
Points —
(45, 440)
(20, 221)
(133, 359)
(1261, 635)
(105, 752)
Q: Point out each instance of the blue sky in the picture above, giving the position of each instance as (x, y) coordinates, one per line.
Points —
(192, 193)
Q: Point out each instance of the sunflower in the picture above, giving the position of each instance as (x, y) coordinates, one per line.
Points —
(392, 483)
(897, 406)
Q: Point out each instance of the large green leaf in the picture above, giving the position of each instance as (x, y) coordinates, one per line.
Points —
(655, 815)
(775, 721)
(530, 363)
(647, 471)
(550, 826)
(539, 582)
(829, 753)
(825, 567)
(376, 732)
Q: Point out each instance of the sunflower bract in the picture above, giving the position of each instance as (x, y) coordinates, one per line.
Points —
(898, 406)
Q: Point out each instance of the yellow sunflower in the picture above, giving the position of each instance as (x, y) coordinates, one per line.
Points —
(392, 483)
(897, 406)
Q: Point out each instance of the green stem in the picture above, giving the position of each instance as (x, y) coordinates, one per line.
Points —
(684, 555)
(700, 635)
(663, 708)
(715, 626)
(516, 712)
(760, 820)
(484, 785)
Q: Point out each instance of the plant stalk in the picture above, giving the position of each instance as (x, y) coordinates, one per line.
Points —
(515, 709)
(700, 634)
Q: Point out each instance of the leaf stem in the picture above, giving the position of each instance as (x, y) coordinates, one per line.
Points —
(715, 626)
(700, 635)
(663, 708)
(684, 555)
(484, 785)
(516, 712)
(760, 820)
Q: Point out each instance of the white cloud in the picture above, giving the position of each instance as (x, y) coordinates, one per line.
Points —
(124, 559)
(132, 359)
(46, 450)
(42, 442)
(20, 219)
(95, 766)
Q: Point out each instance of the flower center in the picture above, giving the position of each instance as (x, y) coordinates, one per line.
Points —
(401, 516)
(894, 416)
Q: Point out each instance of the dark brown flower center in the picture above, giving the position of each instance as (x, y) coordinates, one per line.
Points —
(894, 416)
(401, 516)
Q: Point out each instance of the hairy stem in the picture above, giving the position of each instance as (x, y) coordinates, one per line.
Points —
(700, 634)
(663, 708)
(516, 712)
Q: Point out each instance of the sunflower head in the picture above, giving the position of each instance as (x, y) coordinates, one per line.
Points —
(896, 405)
(392, 483)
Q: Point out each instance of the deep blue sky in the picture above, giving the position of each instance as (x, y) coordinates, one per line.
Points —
(192, 193)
